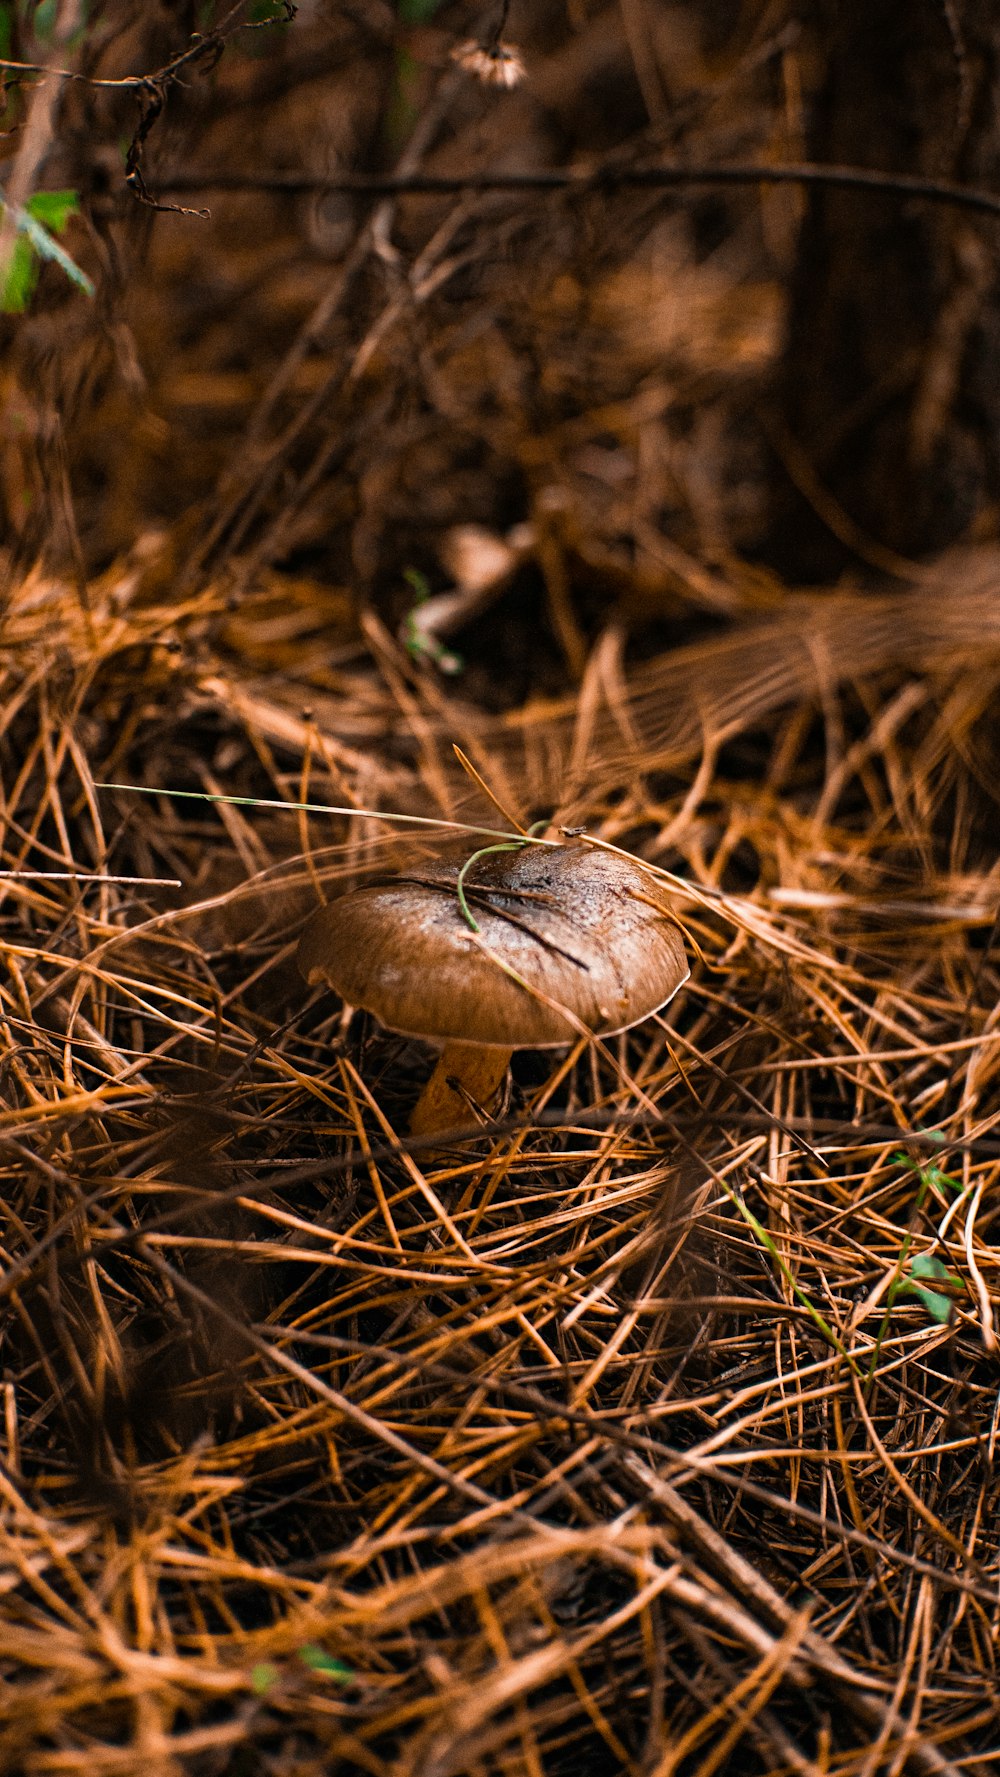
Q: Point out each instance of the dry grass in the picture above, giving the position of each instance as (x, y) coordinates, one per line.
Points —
(606, 1439)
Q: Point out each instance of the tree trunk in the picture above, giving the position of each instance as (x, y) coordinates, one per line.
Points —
(889, 397)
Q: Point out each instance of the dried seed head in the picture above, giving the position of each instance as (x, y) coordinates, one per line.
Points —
(495, 64)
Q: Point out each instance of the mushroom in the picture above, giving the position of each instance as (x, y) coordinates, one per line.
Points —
(520, 947)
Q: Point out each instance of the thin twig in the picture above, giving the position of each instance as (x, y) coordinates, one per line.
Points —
(600, 178)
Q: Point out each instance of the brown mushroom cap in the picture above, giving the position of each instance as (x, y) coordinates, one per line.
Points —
(588, 929)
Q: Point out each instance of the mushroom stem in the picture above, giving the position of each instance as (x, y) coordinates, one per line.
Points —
(480, 1072)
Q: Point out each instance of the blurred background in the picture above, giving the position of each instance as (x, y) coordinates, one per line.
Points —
(687, 395)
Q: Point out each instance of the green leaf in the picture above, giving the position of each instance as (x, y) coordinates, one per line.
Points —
(47, 247)
(929, 1265)
(313, 1656)
(21, 278)
(53, 208)
(44, 20)
(938, 1307)
(263, 1676)
(44, 212)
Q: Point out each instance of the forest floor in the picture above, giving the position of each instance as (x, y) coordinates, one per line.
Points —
(648, 1425)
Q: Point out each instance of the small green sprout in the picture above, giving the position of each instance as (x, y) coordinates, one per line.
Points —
(931, 1176)
(418, 644)
(263, 1677)
(930, 1179)
(265, 1674)
(317, 1660)
(924, 1266)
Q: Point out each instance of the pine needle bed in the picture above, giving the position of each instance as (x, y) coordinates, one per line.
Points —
(651, 1427)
